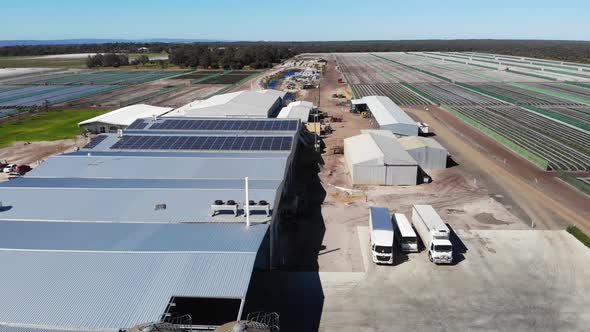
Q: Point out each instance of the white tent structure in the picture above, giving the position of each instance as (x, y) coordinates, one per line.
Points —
(121, 118)
(297, 110)
(244, 104)
(426, 151)
(387, 115)
(377, 158)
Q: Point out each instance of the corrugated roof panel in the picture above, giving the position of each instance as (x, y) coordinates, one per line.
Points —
(124, 205)
(216, 237)
(98, 183)
(160, 167)
(112, 290)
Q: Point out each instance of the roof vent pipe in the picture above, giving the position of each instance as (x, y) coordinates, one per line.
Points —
(247, 207)
(154, 117)
(119, 133)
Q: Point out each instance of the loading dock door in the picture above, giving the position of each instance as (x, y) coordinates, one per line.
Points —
(205, 311)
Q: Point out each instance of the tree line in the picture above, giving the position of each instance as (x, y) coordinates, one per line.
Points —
(107, 60)
(261, 54)
(229, 57)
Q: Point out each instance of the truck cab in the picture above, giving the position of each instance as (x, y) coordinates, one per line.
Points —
(440, 251)
(382, 235)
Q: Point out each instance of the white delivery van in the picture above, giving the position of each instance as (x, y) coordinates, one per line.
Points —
(382, 235)
(434, 234)
(405, 235)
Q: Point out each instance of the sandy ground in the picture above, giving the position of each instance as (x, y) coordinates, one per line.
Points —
(34, 153)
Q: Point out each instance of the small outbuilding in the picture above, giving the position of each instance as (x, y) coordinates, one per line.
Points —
(377, 158)
(297, 110)
(121, 118)
(427, 152)
(387, 115)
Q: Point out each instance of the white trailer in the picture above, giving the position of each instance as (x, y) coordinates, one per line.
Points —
(434, 234)
(382, 235)
(405, 234)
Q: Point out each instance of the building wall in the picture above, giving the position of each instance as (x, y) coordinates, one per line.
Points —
(402, 129)
(382, 175)
(368, 174)
(401, 175)
(429, 158)
(99, 127)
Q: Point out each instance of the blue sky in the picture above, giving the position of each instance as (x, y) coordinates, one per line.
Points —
(295, 20)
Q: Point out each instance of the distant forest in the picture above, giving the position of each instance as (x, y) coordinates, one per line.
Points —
(263, 54)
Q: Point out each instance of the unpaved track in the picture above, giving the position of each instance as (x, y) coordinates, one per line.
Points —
(550, 203)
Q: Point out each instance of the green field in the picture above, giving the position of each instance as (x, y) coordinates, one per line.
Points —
(28, 61)
(46, 126)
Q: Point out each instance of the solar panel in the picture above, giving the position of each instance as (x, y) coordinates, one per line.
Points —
(95, 141)
(138, 124)
(224, 124)
(231, 143)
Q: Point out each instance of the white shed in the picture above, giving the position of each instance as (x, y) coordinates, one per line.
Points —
(377, 158)
(387, 115)
(297, 110)
(121, 118)
(426, 151)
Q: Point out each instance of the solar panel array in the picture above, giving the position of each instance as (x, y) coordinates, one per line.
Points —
(232, 143)
(95, 141)
(138, 124)
(226, 125)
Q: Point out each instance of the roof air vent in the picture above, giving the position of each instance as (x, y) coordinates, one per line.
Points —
(231, 202)
(218, 202)
(262, 202)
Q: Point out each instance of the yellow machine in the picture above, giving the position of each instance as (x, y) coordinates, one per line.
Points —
(365, 114)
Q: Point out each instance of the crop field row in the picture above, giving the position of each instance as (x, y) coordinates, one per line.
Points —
(92, 77)
(358, 69)
(578, 113)
(524, 96)
(533, 60)
(564, 148)
(229, 78)
(569, 89)
(40, 95)
(450, 94)
(396, 92)
(197, 75)
(538, 70)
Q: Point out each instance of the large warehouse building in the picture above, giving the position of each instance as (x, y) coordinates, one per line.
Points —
(375, 157)
(387, 115)
(147, 225)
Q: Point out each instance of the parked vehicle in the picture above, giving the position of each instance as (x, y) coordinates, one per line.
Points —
(382, 235)
(434, 234)
(8, 168)
(404, 233)
(22, 169)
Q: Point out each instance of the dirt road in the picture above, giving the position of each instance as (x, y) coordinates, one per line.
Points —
(548, 202)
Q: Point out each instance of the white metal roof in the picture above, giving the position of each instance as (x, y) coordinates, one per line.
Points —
(416, 142)
(385, 111)
(162, 167)
(297, 110)
(404, 225)
(235, 104)
(126, 115)
(376, 149)
(430, 216)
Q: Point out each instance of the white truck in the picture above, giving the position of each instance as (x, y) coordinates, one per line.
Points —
(405, 235)
(382, 235)
(434, 234)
